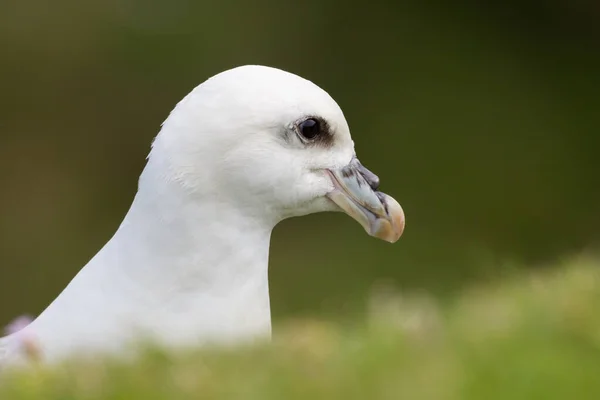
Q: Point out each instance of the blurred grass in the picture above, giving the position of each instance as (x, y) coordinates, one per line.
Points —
(532, 335)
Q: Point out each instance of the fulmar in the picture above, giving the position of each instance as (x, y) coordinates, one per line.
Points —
(246, 149)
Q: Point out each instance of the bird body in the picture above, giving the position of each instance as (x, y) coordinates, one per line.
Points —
(189, 263)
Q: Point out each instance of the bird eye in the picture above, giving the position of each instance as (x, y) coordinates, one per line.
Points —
(309, 128)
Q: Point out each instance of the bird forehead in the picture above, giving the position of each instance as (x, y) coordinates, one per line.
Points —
(266, 90)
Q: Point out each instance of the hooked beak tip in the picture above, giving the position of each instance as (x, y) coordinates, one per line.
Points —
(391, 228)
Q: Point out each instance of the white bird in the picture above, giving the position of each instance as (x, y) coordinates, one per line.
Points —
(243, 151)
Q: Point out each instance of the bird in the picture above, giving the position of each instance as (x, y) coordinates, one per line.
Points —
(188, 265)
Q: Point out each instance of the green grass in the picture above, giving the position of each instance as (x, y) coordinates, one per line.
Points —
(534, 336)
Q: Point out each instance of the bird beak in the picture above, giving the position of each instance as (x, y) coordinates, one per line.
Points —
(355, 192)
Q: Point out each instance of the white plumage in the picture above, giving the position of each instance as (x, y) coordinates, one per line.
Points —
(188, 264)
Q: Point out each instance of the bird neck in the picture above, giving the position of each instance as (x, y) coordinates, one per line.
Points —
(183, 268)
(202, 260)
(192, 241)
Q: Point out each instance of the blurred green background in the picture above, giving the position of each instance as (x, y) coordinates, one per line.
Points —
(482, 120)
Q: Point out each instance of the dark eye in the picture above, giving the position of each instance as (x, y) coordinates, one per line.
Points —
(309, 128)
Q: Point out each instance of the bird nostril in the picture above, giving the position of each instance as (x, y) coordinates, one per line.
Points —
(373, 181)
(371, 178)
